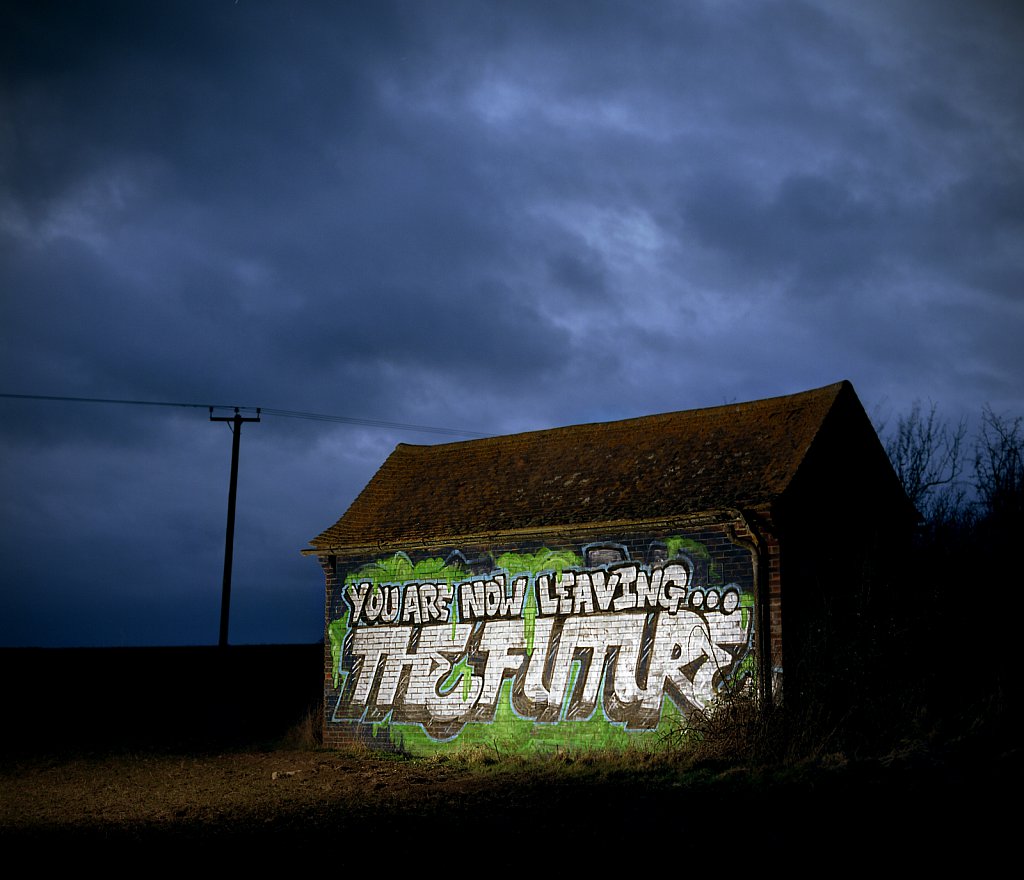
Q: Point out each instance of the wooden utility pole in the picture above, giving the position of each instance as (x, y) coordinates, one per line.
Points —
(235, 423)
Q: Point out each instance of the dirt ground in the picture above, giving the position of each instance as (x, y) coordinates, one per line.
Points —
(133, 776)
(155, 791)
(189, 797)
(241, 793)
(400, 808)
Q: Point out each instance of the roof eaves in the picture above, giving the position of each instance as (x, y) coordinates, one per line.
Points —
(570, 532)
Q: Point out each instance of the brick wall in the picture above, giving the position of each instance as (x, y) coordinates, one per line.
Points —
(533, 644)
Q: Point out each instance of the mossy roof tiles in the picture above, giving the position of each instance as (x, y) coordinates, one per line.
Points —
(655, 467)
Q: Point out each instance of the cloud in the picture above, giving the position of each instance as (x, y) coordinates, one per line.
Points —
(499, 218)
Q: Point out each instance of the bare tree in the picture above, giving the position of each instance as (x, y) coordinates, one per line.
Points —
(999, 466)
(927, 454)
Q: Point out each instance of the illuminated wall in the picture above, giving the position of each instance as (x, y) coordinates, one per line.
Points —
(536, 646)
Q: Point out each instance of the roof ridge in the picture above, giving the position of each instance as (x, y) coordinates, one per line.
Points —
(835, 387)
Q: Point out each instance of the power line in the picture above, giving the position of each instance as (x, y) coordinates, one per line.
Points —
(372, 423)
(109, 400)
(283, 413)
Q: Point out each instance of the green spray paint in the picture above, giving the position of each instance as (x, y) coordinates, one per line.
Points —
(542, 560)
(510, 734)
(747, 670)
(530, 620)
(400, 568)
(336, 631)
(746, 608)
(695, 550)
(574, 671)
(532, 564)
(464, 669)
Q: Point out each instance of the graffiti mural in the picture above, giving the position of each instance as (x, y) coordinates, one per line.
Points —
(537, 639)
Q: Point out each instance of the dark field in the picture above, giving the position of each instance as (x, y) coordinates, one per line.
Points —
(233, 767)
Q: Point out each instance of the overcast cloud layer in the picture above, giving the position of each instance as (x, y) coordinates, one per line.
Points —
(490, 216)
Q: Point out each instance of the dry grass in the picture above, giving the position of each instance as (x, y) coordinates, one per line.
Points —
(307, 732)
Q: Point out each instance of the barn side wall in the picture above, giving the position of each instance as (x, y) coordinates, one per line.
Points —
(534, 645)
(844, 525)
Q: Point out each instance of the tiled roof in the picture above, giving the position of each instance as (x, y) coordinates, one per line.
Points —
(655, 467)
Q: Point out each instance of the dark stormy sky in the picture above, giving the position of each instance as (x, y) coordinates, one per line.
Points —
(495, 216)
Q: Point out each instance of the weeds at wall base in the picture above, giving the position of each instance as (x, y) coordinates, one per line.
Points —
(743, 729)
(307, 732)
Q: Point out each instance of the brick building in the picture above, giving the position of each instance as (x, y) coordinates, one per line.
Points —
(593, 584)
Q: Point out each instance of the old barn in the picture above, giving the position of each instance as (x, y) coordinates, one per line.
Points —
(592, 585)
